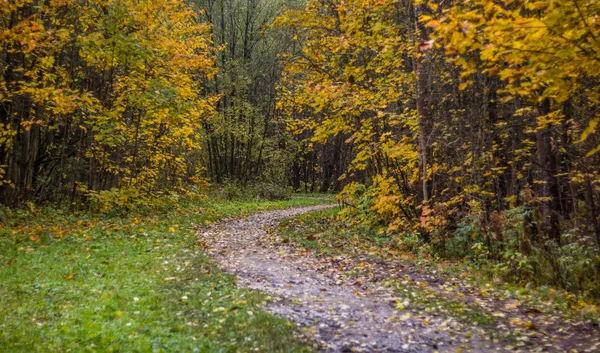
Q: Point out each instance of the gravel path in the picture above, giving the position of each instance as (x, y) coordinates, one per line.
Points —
(334, 313)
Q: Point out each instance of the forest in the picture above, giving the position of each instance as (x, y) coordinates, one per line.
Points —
(448, 134)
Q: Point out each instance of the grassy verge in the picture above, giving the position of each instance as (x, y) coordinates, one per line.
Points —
(326, 235)
(322, 232)
(136, 283)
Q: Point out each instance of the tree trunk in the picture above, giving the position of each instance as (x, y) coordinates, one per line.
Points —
(548, 189)
(424, 102)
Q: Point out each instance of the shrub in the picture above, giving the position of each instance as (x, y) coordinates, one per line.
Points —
(267, 191)
(272, 191)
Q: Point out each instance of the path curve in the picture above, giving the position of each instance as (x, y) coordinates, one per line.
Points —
(334, 313)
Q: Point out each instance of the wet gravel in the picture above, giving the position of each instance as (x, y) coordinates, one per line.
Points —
(333, 313)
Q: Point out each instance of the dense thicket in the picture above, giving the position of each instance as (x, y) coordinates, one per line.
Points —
(245, 140)
(472, 124)
(116, 102)
(100, 99)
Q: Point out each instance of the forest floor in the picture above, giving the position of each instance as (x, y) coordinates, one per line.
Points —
(149, 281)
(361, 301)
(134, 282)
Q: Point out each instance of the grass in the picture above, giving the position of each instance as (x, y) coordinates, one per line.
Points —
(322, 232)
(135, 283)
(433, 303)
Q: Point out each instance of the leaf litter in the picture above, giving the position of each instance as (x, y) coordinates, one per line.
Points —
(348, 305)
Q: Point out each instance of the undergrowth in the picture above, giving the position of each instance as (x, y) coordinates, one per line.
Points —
(327, 233)
(231, 191)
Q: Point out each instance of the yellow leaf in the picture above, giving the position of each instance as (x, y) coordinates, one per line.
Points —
(590, 129)
(464, 85)
(433, 24)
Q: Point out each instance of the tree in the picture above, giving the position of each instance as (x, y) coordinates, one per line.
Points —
(462, 115)
(100, 99)
(243, 139)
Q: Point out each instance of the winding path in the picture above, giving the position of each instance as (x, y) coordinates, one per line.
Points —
(339, 316)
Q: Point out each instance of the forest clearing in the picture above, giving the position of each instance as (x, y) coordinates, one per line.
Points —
(299, 175)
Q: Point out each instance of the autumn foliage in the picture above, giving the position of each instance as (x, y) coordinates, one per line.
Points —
(472, 124)
(100, 100)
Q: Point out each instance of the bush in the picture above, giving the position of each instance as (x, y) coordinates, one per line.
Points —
(232, 191)
(267, 191)
(409, 242)
(503, 243)
(464, 237)
(272, 192)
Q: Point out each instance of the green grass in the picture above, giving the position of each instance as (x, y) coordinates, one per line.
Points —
(139, 283)
(300, 228)
(425, 300)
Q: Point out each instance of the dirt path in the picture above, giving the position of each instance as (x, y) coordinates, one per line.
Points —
(336, 311)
